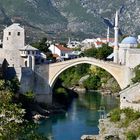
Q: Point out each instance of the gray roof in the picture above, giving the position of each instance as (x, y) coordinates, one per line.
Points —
(28, 48)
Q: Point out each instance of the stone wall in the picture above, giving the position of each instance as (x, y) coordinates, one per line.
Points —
(130, 97)
(41, 87)
(27, 80)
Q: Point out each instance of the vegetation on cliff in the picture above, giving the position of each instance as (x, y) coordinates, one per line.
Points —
(13, 125)
(128, 119)
(137, 74)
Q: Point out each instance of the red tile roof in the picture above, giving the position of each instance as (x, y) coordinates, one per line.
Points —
(62, 48)
(99, 43)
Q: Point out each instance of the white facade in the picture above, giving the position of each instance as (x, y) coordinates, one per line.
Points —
(54, 50)
(128, 53)
(61, 51)
(73, 44)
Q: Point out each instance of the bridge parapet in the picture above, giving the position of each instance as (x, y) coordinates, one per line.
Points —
(121, 73)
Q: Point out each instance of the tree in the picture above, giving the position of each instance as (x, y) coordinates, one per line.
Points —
(99, 53)
(93, 82)
(103, 52)
(43, 46)
(12, 124)
(90, 52)
(137, 74)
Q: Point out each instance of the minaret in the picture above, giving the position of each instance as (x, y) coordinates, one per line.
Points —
(108, 34)
(116, 29)
(69, 41)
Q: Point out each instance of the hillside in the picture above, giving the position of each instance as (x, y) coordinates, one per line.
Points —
(65, 18)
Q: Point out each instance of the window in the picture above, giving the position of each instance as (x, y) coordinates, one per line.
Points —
(9, 33)
(28, 52)
(7, 38)
(18, 33)
(25, 63)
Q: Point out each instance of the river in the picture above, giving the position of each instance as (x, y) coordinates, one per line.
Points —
(81, 118)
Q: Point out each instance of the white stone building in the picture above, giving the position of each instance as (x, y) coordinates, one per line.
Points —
(61, 51)
(128, 53)
(73, 44)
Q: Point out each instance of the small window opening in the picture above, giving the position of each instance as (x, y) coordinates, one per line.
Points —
(9, 33)
(18, 33)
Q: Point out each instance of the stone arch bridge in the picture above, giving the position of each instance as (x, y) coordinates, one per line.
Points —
(46, 75)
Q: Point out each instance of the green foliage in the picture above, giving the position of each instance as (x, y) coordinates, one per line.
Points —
(93, 82)
(2, 84)
(131, 136)
(131, 115)
(42, 45)
(30, 95)
(138, 46)
(12, 124)
(99, 53)
(137, 74)
(71, 76)
(61, 91)
(11, 116)
(115, 115)
(13, 85)
(90, 52)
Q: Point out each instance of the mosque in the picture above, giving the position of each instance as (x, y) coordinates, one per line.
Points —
(126, 52)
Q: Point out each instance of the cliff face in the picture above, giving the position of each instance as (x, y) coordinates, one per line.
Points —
(76, 18)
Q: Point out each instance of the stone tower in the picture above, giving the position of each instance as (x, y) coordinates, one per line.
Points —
(13, 37)
(116, 29)
(13, 40)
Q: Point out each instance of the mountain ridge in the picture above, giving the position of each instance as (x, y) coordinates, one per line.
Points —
(60, 19)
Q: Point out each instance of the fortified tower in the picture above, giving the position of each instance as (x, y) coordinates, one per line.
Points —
(13, 37)
(13, 40)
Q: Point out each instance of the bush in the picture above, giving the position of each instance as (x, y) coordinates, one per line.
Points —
(61, 91)
(30, 95)
(115, 115)
(131, 136)
(131, 115)
(93, 82)
(137, 74)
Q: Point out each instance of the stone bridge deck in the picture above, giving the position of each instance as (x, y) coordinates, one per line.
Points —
(120, 72)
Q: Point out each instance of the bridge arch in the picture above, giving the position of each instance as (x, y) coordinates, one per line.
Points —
(117, 71)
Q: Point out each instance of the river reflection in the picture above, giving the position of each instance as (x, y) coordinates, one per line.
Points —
(81, 118)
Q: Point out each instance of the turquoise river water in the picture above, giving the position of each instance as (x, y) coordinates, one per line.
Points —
(81, 118)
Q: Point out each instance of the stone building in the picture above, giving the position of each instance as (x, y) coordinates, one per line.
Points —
(21, 58)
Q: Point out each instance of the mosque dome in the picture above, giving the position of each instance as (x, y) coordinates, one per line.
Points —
(129, 40)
